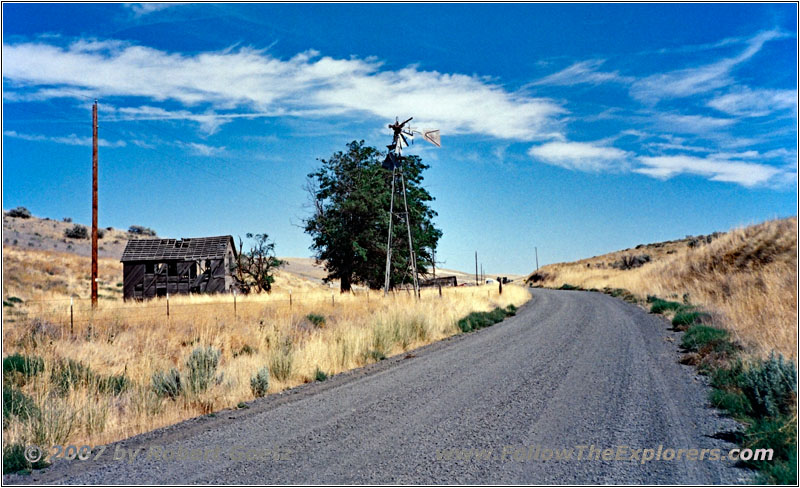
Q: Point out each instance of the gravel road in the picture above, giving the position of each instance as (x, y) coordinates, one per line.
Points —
(571, 369)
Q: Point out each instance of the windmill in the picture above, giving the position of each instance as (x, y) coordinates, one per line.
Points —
(394, 162)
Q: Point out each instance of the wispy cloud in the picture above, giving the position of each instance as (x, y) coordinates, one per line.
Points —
(583, 72)
(691, 124)
(716, 167)
(755, 103)
(202, 149)
(702, 79)
(142, 9)
(583, 156)
(70, 140)
(307, 84)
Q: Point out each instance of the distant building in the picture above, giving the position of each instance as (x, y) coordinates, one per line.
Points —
(441, 281)
(155, 267)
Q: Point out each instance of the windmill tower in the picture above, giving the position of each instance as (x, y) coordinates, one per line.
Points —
(394, 162)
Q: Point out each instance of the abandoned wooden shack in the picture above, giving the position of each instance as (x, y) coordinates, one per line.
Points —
(155, 267)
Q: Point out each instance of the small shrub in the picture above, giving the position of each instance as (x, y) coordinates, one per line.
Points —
(777, 434)
(497, 315)
(202, 365)
(167, 384)
(727, 378)
(114, 384)
(142, 231)
(77, 231)
(661, 306)
(479, 320)
(19, 212)
(280, 363)
(67, 219)
(685, 318)
(567, 286)
(701, 335)
(734, 402)
(14, 460)
(15, 299)
(511, 310)
(320, 375)
(779, 472)
(631, 261)
(259, 383)
(770, 386)
(18, 404)
(316, 319)
(22, 365)
(69, 374)
(100, 233)
(376, 355)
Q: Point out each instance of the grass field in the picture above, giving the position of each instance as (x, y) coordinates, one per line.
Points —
(127, 368)
(747, 279)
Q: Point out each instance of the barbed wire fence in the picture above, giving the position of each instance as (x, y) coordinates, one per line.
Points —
(68, 314)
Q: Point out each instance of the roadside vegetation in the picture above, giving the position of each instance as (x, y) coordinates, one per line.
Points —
(760, 393)
(126, 369)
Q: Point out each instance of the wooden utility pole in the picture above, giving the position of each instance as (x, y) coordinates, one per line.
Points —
(94, 204)
(476, 268)
(536, 249)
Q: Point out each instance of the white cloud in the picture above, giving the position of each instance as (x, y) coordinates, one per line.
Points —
(584, 156)
(716, 167)
(141, 9)
(702, 79)
(209, 122)
(70, 140)
(755, 103)
(203, 149)
(692, 124)
(306, 84)
(583, 72)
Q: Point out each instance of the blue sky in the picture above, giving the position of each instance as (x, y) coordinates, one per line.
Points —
(577, 128)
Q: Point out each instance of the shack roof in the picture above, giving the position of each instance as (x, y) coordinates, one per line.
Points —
(187, 249)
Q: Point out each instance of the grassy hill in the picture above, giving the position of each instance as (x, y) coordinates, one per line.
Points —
(747, 279)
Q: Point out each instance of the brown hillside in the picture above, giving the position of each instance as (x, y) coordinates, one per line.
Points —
(746, 277)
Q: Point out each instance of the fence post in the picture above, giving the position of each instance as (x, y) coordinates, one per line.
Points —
(71, 318)
(167, 304)
(440, 290)
(234, 303)
(501, 286)
(290, 300)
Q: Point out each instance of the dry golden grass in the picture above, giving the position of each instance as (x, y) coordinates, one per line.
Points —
(138, 339)
(746, 277)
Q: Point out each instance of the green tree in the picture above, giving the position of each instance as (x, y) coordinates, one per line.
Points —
(254, 269)
(350, 194)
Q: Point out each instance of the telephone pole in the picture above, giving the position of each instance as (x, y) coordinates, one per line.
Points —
(476, 268)
(94, 204)
(536, 249)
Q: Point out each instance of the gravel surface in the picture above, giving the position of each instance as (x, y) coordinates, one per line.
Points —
(571, 369)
